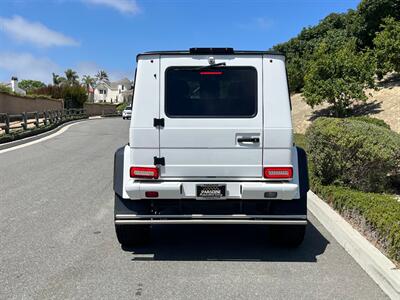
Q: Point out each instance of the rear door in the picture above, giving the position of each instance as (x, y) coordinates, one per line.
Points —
(213, 117)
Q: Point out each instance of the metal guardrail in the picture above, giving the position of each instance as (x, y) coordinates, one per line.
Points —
(25, 120)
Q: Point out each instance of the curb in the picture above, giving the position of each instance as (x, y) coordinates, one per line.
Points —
(378, 266)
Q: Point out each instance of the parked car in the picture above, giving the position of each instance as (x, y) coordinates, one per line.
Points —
(127, 112)
(211, 142)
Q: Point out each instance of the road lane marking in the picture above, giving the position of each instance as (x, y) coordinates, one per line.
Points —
(61, 131)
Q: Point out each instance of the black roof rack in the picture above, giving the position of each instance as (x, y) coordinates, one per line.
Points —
(216, 51)
(211, 51)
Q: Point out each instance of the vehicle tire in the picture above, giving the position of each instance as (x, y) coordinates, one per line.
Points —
(132, 235)
(287, 235)
(123, 118)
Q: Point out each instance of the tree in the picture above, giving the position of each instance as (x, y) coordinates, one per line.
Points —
(338, 74)
(299, 50)
(296, 70)
(30, 85)
(102, 76)
(362, 24)
(74, 96)
(71, 76)
(57, 80)
(387, 47)
(372, 13)
(88, 81)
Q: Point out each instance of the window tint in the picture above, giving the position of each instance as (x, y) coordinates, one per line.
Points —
(226, 92)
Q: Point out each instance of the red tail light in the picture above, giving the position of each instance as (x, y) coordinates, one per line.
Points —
(278, 172)
(211, 73)
(151, 194)
(144, 172)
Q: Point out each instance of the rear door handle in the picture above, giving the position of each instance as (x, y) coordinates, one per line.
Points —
(253, 140)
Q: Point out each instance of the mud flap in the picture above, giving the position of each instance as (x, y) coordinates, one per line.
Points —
(296, 206)
(119, 171)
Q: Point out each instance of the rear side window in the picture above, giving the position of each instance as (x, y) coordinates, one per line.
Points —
(226, 92)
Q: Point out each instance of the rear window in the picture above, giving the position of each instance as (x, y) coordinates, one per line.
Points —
(128, 108)
(226, 92)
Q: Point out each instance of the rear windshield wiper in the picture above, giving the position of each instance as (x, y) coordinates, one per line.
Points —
(202, 68)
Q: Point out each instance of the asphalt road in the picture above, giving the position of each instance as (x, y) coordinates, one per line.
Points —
(57, 238)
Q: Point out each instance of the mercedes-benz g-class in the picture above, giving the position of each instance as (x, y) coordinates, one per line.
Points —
(211, 142)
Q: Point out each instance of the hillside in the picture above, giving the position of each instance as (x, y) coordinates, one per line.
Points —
(382, 104)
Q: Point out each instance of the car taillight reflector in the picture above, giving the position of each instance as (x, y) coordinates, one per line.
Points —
(151, 194)
(278, 172)
(144, 172)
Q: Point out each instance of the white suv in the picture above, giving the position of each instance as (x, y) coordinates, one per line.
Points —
(210, 142)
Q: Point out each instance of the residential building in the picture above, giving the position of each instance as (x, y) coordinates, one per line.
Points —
(113, 92)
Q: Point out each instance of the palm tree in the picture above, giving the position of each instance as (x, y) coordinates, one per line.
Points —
(72, 77)
(57, 79)
(88, 81)
(102, 76)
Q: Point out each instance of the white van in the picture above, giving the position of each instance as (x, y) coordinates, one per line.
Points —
(211, 142)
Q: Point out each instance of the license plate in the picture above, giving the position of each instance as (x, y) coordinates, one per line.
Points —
(211, 191)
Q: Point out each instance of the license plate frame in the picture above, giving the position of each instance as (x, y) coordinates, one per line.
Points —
(211, 191)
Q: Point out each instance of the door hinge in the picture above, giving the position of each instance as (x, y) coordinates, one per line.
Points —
(158, 122)
(159, 161)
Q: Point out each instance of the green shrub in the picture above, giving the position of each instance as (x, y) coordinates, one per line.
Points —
(54, 91)
(5, 89)
(353, 153)
(376, 215)
(74, 96)
(122, 106)
(381, 213)
(300, 140)
(370, 120)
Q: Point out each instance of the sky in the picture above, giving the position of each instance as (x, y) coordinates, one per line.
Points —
(38, 37)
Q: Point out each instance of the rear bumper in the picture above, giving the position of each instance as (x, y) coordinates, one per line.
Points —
(234, 190)
(127, 219)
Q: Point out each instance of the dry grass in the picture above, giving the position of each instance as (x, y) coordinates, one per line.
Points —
(382, 104)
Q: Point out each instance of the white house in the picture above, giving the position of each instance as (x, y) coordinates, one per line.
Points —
(14, 86)
(113, 92)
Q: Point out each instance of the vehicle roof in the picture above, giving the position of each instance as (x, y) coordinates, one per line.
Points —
(189, 52)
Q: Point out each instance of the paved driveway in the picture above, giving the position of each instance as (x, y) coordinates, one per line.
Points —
(57, 238)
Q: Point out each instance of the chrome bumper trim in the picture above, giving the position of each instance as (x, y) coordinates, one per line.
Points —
(202, 216)
(210, 221)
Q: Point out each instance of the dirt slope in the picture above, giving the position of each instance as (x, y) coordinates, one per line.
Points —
(382, 104)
